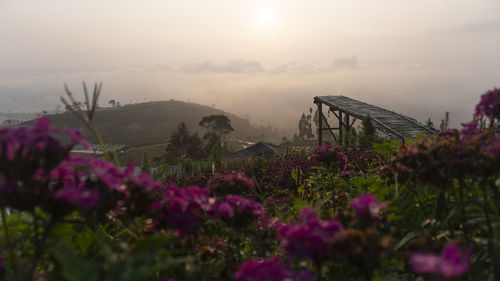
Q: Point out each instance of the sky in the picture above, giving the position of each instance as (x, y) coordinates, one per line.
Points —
(262, 59)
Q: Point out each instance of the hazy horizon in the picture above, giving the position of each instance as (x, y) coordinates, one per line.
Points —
(264, 59)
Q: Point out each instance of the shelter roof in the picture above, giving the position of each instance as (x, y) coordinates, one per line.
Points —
(394, 124)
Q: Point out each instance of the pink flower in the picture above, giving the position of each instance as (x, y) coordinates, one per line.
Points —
(489, 106)
(451, 263)
(367, 205)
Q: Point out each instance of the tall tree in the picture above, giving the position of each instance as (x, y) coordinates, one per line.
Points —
(368, 134)
(184, 145)
(445, 122)
(218, 126)
(305, 126)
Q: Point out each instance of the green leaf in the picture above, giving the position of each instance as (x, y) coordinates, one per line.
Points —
(441, 206)
(75, 268)
(494, 253)
(405, 239)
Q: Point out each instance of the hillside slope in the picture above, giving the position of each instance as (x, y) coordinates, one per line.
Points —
(153, 122)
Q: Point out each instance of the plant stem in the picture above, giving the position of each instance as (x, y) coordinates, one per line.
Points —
(462, 208)
(7, 240)
(486, 207)
(318, 268)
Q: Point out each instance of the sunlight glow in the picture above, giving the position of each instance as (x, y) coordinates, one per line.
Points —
(265, 16)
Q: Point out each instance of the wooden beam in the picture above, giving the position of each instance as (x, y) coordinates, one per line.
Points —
(330, 128)
(320, 123)
(354, 120)
(341, 135)
(347, 130)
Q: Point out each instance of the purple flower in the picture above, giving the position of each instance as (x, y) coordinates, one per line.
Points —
(451, 263)
(225, 210)
(489, 106)
(184, 208)
(309, 237)
(245, 206)
(2, 262)
(469, 130)
(7, 186)
(269, 270)
(367, 205)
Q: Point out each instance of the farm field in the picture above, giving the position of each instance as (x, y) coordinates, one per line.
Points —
(425, 210)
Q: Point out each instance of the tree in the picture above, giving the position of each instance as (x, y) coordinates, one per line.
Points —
(218, 126)
(305, 126)
(445, 122)
(112, 103)
(145, 166)
(429, 123)
(184, 145)
(367, 135)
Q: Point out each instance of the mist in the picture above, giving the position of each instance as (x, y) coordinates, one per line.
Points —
(419, 59)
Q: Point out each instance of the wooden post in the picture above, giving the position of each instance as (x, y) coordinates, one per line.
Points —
(347, 122)
(341, 138)
(320, 124)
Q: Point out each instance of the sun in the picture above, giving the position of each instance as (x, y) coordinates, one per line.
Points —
(265, 16)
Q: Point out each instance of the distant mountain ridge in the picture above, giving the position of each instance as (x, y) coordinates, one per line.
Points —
(153, 122)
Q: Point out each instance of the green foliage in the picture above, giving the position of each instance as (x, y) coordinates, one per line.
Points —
(183, 145)
(429, 123)
(145, 167)
(445, 122)
(367, 135)
(305, 126)
(217, 126)
(387, 149)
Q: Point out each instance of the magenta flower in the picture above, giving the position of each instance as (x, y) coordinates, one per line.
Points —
(309, 237)
(451, 263)
(2, 262)
(367, 205)
(184, 208)
(269, 270)
(225, 210)
(489, 106)
(245, 206)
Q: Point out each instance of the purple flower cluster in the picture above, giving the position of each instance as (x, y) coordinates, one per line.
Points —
(25, 151)
(452, 262)
(309, 237)
(27, 155)
(451, 154)
(269, 270)
(347, 162)
(234, 183)
(186, 208)
(96, 186)
(277, 172)
(367, 206)
(234, 178)
(183, 208)
(245, 207)
(37, 170)
(489, 106)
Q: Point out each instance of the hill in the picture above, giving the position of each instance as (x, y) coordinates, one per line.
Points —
(152, 123)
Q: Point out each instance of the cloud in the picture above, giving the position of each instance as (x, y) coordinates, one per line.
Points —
(232, 66)
(293, 68)
(416, 65)
(342, 63)
(486, 26)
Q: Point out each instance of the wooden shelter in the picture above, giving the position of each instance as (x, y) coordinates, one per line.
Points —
(347, 111)
(260, 149)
